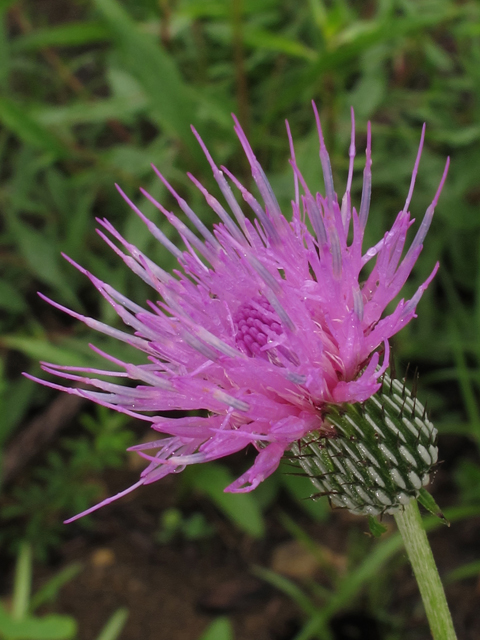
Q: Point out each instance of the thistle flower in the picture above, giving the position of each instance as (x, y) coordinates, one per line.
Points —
(266, 325)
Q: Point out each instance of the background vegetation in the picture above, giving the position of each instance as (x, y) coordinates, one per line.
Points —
(93, 91)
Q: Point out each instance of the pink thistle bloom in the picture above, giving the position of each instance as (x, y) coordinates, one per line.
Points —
(264, 325)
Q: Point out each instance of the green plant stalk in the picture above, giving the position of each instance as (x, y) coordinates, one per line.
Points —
(23, 582)
(409, 522)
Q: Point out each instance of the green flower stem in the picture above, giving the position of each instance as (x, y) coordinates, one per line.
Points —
(409, 522)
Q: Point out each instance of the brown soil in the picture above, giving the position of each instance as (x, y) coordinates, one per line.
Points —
(174, 591)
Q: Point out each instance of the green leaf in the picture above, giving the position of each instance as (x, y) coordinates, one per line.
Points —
(458, 136)
(91, 112)
(241, 508)
(19, 121)
(64, 35)
(263, 39)
(427, 501)
(114, 626)
(220, 629)
(51, 627)
(376, 528)
(42, 349)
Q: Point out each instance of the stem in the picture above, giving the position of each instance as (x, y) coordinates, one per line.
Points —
(23, 582)
(418, 549)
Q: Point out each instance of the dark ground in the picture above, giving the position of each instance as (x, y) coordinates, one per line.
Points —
(173, 591)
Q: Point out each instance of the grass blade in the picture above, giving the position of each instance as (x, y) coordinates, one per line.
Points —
(114, 626)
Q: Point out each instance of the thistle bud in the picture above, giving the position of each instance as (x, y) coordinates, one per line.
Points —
(264, 331)
(381, 453)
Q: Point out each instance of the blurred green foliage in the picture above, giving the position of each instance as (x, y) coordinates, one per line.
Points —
(369, 564)
(19, 622)
(66, 482)
(93, 91)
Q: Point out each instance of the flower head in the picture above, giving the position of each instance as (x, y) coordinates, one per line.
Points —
(267, 322)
